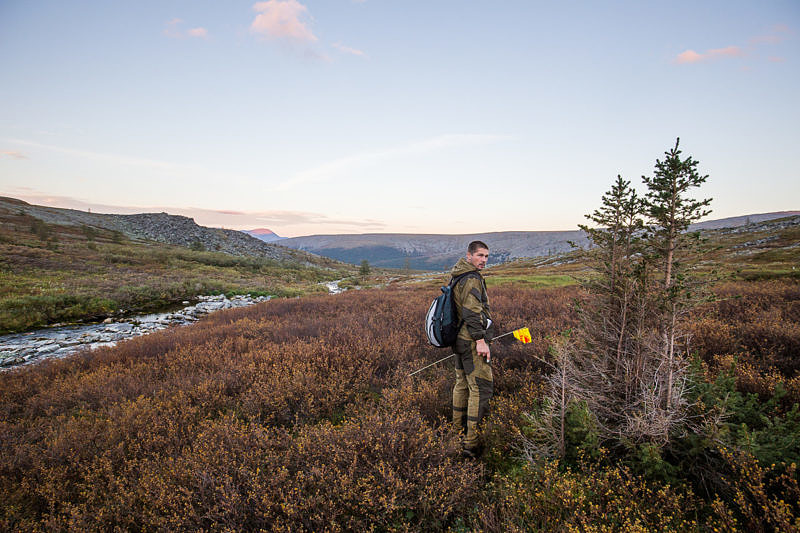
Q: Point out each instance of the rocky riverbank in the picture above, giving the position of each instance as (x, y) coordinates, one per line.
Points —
(26, 348)
(333, 287)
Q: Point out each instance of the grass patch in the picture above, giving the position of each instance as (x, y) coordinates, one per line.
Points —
(35, 311)
(532, 280)
(763, 274)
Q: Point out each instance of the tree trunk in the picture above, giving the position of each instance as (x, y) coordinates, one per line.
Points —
(562, 436)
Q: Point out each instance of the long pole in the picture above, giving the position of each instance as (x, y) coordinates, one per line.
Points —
(452, 355)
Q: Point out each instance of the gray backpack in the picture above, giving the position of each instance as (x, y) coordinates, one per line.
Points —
(441, 321)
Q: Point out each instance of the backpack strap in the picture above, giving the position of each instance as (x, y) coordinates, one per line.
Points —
(454, 280)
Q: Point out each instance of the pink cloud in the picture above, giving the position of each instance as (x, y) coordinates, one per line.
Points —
(198, 32)
(765, 39)
(776, 59)
(13, 154)
(775, 35)
(348, 50)
(730, 51)
(690, 56)
(280, 19)
(174, 30)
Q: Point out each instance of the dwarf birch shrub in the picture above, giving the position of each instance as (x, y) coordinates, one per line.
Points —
(299, 415)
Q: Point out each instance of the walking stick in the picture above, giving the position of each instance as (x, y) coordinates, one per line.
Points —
(453, 355)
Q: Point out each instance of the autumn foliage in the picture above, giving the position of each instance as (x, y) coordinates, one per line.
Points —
(299, 415)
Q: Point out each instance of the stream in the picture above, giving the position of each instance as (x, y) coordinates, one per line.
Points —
(19, 349)
(25, 348)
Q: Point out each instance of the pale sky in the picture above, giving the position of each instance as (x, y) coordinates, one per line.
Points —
(437, 116)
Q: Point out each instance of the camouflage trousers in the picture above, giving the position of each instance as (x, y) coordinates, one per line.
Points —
(473, 390)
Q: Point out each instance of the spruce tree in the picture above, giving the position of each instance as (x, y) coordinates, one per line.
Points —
(615, 236)
(622, 362)
(670, 211)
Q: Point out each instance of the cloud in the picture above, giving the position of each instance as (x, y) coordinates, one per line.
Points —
(173, 29)
(13, 154)
(36, 197)
(281, 19)
(775, 35)
(348, 50)
(765, 39)
(198, 32)
(343, 165)
(295, 218)
(690, 56)
(113, 158)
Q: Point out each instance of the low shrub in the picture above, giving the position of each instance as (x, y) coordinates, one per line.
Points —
(300, 415)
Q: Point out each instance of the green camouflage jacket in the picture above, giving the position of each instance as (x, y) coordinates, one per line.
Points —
(472, 303)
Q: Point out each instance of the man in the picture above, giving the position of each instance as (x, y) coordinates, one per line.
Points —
(474, 385)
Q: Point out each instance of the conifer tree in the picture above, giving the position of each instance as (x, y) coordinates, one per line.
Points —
(621, 363)
(670, 211)
(616, 236)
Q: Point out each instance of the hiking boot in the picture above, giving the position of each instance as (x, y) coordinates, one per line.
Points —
(471, 453)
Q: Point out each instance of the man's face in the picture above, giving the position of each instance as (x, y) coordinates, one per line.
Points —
(479, 258)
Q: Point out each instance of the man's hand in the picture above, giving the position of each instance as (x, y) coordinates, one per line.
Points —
(483, 350)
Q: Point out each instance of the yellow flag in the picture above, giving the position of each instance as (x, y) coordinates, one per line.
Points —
(522, 335)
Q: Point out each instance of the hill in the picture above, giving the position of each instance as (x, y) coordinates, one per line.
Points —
(437, 252)
(60, 265)
(159, 227)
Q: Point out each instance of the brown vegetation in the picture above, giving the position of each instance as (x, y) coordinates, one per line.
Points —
(299, 415)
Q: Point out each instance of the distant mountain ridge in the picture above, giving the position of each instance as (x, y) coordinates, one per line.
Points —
(162, 227)
(439, 252)
(264, 234)
(391, 250)
(433, 252)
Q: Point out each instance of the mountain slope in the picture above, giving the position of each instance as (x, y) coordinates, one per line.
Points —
(161, 227)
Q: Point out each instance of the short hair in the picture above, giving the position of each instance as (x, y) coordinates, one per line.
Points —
(474, 245)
